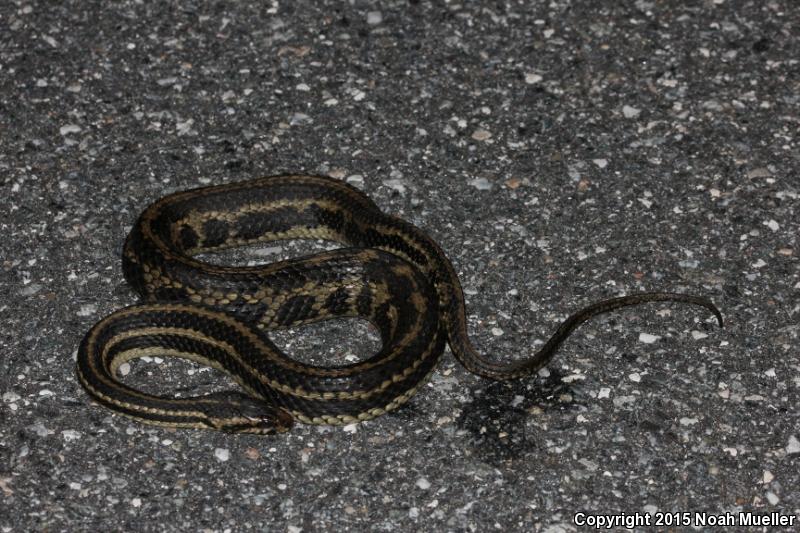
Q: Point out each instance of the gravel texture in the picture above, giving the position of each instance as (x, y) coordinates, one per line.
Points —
(561, 152)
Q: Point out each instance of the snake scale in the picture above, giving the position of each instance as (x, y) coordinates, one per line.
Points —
(390, 273)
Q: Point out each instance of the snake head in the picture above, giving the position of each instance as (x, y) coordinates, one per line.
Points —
(235, 412)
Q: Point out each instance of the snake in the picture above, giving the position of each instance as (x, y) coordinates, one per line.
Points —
(386, 271)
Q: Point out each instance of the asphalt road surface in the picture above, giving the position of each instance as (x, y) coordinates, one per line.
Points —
(561, 152)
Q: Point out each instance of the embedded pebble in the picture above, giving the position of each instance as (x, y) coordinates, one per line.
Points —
(482, 184)
(40, 430)
(374, 17)
(222, 454)
(10, 397)
(87, 310)
(69, 128)
(532, 78)
(299, 119)
(423, 483)
(481, 135)
(396, 185)
(630, 112)
(793, 446)
(71, 435)
(647, 338)
(30, 290)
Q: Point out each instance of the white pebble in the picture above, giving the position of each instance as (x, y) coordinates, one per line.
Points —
(605, 392)
(374, 17)
(69, 128)
(630, 112)
(531, 78)
(40, 429)
(222, 454)
(481, 135)
(10, 397)
(648, 338)
(482, 184)
(767, 477)
(635, 377)
(772, 224)
(350, 428)
(87, 310)
(136, 502)
(497, 332)
(772, 498)
(423, 483)
(396, 185)
(601, 163)
(697, 335)
(686, 421)
(793, 446)
(124, 369)
(71, 435)
(300, 118)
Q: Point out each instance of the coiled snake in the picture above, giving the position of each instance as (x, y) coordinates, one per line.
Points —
(390, 273)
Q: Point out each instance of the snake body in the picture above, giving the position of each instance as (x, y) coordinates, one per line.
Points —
(390, 273)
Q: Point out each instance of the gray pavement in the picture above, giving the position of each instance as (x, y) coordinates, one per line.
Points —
(561, 152)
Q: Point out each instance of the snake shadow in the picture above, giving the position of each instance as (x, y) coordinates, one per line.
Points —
(495, 421)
